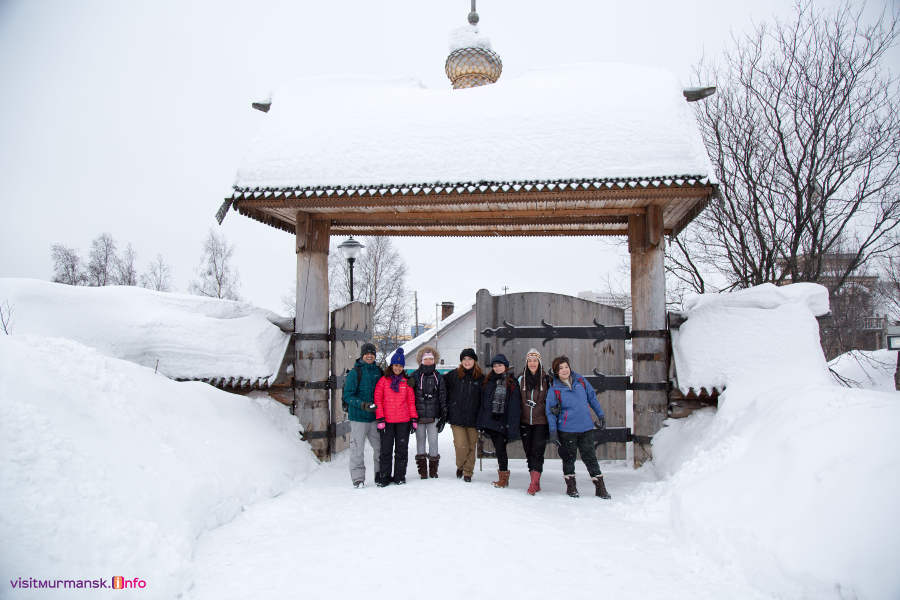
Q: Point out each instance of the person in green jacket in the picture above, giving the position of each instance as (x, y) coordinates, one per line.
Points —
(359, 396)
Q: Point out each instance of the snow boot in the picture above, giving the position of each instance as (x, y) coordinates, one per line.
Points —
(467, 478)
(571, 490)
(359, 484)
(601, 487)
(459, 473)
(433, 465)
(382, 481)
(535, 483)
(503, 481)
(400, 480)
(421, 466)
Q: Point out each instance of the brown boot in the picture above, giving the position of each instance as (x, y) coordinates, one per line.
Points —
(422, 466)
(601, 487)
(504, 479)
(535, 483)
(571, 490)
(433, 465)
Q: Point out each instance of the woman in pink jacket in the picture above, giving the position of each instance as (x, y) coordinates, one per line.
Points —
(395, 413)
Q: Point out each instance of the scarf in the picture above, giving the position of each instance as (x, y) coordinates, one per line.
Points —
(533, 380)
(395, 382)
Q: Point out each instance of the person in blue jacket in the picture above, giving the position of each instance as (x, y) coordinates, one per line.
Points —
(569, 404)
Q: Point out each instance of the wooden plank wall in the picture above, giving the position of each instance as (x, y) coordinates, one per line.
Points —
(353, 316)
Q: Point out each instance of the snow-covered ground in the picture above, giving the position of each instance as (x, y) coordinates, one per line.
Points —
(872, 370)
(787, 491)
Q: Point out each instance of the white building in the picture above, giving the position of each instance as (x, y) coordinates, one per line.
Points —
(453, 334)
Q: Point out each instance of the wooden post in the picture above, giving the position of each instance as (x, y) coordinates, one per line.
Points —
(312, 358)
(646, 245)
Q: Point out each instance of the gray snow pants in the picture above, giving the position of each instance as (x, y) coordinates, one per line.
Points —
(429, 431)
(359, 432)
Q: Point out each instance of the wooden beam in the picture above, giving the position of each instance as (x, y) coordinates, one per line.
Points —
(613, 215)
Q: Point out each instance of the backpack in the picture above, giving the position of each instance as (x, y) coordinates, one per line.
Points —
(344, 405)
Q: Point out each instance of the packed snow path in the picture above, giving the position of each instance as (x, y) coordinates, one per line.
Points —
(445, 538)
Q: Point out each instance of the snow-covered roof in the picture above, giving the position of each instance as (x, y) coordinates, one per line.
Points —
(581, 122)
(183, 336)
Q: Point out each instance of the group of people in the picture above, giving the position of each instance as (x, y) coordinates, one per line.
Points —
(537, 407)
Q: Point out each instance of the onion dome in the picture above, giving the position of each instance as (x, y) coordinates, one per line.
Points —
(471, 62)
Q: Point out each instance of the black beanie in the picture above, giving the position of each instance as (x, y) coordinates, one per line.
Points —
(368, 348)
(468, 352)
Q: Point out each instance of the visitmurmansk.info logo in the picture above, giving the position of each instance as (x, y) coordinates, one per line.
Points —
(115, 583)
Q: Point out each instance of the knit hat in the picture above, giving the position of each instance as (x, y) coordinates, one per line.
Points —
(468, 352)
(533, 352)
(398, 358)
(367, 348)
(499, 358)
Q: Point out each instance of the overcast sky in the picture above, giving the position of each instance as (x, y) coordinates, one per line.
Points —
(132, 117)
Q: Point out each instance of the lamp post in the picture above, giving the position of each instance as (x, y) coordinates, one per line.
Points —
(350, 248)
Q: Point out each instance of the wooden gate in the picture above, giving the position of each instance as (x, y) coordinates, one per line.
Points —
(351, 327)
(531, 309)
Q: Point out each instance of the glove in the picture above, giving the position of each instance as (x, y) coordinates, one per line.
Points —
(415, 424)
(441, 423)
(555, 410)
(601, 423)
(381, 425)
(554, 438)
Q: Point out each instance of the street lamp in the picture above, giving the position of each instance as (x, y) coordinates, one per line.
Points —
(350, 249)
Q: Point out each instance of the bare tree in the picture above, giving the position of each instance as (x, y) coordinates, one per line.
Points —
(158, 275)
(101, 265)
(125, 272)
(216, 277)
(379, 277)
(804, 135)
(66, 265)
(6, 314)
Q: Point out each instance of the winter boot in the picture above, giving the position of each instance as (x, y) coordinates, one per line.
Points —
(601, 487)
(433, 465)
(459, 473)
(382, 481)
(571, 490)
(503, 481)
(421, 466)
(467, 478)
(535, 483)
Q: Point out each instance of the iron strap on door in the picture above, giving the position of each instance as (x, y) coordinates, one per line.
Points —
(334, 335)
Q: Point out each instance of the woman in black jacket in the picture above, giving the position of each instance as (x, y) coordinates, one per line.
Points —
(501, 409)
(431, 404)
(463, 400)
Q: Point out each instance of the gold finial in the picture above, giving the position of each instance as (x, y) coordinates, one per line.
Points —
(472, 62)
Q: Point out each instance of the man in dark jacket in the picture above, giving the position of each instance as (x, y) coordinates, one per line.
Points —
(359, 395)
(463, 401)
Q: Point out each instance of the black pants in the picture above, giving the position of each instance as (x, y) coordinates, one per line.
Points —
(394, 440)
(534, 440)
(570, 443)
(499, 441)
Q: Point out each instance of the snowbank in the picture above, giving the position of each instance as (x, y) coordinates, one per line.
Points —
(756, 336)
(872, 370)
(109, 469)
(793, 479)
(192, 337)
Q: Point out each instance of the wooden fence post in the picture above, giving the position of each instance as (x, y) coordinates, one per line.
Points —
(646, 246)
(312, 358)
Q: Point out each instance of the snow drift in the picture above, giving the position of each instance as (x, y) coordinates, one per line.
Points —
(191, 337)
(871, 370)
(109, 469)
(793, 478)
